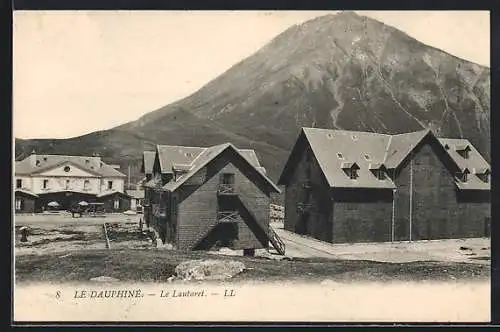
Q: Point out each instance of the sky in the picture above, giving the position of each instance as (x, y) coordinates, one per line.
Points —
(75, 72)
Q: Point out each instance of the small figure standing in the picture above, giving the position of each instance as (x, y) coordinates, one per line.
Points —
(24, 234)
(154, 241)
(140, 224)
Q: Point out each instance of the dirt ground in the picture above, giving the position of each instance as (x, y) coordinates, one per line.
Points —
(61, 248)
(473, 250)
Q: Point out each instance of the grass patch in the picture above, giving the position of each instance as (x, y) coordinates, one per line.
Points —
(158, 265)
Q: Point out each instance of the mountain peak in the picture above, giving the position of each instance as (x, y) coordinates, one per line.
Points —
(343, 71)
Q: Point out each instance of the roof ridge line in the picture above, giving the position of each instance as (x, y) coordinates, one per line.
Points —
(387, 149)
(181, 146)
(198, 156)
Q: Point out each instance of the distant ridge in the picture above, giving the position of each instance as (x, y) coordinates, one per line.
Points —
(341, 71)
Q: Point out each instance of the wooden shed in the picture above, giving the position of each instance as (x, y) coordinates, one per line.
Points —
(114, 201)
(25, 201)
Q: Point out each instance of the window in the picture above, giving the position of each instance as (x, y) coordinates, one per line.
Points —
(462, 176)
(19, 183)
(67, 169)
(340, 156)
(67, 184)
(138, 201)
(86, 184)
(464, 152)
(367, 157)
(227, 178)
(116, 204)
(352, 173)
(110, 184)
(485, 177)
(308, 172)
(18, 204)
(45, 184)
(380, 174)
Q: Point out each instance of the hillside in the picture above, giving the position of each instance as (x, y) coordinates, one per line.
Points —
(337, 71)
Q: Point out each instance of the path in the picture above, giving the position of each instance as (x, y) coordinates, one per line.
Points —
(474, 250)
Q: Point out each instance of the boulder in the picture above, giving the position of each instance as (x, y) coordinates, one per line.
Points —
(104, 278)
(210, 269)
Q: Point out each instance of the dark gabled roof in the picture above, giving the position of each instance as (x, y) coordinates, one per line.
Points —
(148, 158)
(208, 155)
(171, 156)
(26, 192)
(35, 164)
(475, 163)
(336, 149)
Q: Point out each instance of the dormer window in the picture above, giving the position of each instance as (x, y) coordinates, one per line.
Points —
(351, 170)
(378, 171)
(380, 174)
(340, 156)
(462, 176)
(483, 175)
(464, 151)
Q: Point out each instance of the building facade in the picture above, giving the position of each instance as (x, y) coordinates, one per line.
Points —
(148, 158)
(207, 198)
(67, 180)
(346, 186)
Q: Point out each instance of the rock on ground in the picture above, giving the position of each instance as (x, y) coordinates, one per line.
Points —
(103, 278)
(211, 269)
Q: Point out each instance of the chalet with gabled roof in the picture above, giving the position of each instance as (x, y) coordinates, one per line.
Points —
(348, 186)
(205, 198)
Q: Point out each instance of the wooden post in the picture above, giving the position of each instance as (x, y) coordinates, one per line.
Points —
(105, 231)
(411, 195)
(393, 224)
